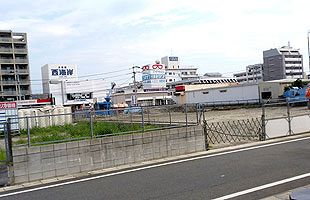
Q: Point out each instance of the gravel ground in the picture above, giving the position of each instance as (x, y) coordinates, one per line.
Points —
(219, 114)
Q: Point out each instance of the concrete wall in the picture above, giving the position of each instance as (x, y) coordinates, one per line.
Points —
(48, 161)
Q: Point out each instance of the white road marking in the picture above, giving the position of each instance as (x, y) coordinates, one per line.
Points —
(150, 166)
(263, 187)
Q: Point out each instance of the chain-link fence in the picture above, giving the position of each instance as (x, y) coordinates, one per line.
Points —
(286, 118)
(229, 124)
(46, 128)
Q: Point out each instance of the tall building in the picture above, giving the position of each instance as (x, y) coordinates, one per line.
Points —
(282, 63)
(174, 72)
(14, 77)
(253, 74)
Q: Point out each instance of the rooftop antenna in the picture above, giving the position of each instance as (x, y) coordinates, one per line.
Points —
(289, 44)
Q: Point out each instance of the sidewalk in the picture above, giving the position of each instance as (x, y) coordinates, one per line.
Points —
(286, 195)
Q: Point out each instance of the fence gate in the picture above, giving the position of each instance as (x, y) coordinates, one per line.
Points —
(233, 131)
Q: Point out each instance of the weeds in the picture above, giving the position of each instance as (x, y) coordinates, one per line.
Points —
(77, 131)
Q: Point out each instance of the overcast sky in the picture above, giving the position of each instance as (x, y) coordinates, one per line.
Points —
(106, 35)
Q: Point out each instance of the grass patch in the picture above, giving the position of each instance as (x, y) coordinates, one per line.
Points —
(77, 131)
(2, 155)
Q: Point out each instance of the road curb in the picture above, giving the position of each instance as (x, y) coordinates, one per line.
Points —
(146, 163)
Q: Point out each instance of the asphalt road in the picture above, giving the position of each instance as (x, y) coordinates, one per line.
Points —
(205, 178)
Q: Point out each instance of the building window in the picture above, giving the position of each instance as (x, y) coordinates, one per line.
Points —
(170, 80)
(170, 73)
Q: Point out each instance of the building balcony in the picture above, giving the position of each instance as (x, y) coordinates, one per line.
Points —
(7, 71)
(8, 82)
(23, 71)
(6, 50)
(6, 60)
(24, 82)
(21, 60)
(293, 59)
(21, 40)
(9, 92)
(9, 40)
(189, 75)
(25, 92)
(20, 51)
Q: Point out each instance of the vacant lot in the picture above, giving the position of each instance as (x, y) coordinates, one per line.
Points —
(214, 114)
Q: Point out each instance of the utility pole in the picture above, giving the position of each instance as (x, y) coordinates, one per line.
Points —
(308, 51)
(134, 98)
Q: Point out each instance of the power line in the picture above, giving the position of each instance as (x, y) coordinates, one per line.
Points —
(89, 75)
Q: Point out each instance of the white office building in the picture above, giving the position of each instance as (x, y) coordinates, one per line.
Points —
(175, 72)
(60, 81)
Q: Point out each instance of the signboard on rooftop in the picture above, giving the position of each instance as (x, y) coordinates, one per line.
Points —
(154, 76)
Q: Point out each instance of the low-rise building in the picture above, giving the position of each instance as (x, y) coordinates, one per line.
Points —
(226, 93)
(252, 74)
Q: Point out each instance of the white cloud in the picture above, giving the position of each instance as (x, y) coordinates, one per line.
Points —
(98, 36)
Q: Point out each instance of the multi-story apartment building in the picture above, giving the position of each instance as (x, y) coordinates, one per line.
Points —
(282, 63)
(14, 66)
(253, 74)
(174, 72)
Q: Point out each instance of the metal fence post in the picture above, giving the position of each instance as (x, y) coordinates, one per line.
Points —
(197, 113)
(186, 122)
(8, 141)
(142, 118)
(28, 132)
(148, 114)
(169, 111)
(131, 118)
(205, 131)
(289, 118)
(91, 123)
(263, 133)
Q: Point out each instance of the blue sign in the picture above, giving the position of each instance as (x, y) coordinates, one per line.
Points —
(153, 76)
(62, 71)
(173, 58)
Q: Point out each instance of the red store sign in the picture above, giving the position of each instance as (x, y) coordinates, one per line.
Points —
(7, 105)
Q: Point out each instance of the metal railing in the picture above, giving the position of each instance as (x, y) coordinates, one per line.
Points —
(20, 50)
(21, 60)
(5, 39)
(6, 60)
(8, 82)
(6, 50)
